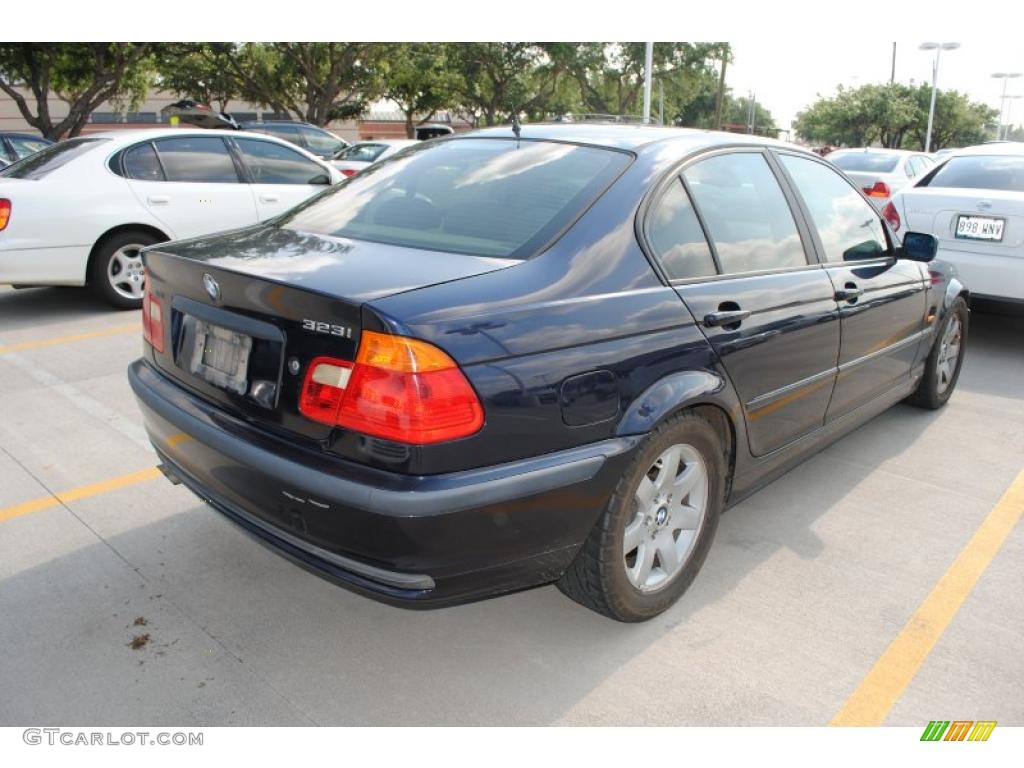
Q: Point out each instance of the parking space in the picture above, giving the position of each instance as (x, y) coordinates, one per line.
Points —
(807, 585)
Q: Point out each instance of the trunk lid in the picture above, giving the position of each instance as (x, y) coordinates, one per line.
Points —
(264, 302)
(936, 210)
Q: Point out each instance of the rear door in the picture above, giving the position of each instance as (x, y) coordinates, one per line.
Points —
(281, 178)
(190, 184)
(882, 300)
(766, 309)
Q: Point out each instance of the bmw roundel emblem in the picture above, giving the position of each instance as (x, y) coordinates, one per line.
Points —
(211, 286)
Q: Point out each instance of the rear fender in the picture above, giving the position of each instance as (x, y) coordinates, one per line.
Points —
(673, 393)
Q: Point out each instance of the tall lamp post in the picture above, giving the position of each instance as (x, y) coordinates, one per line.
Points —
(938, 48)
(1009, 112)
(1004, 76)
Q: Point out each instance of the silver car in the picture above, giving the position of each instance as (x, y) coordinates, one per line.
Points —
(881, 173)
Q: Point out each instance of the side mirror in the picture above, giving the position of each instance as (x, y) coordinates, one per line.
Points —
(918, 246)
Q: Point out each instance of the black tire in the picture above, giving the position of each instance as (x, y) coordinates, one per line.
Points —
(935, 387)
(100, 263)
(597, 578)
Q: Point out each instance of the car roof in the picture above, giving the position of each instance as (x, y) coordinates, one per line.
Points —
(385, 142)
(875, 151)
(994, 148)
(136, 134)
(628, 136)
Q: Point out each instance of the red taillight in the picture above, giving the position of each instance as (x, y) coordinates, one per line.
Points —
(399, 388)
(890, 215)
(880, 189)
(348, 172)
(5, 212)
(152, 319)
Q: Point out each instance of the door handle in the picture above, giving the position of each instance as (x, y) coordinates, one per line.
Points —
(849, 292)
(268, 198)
(158, 199)
(731, 317)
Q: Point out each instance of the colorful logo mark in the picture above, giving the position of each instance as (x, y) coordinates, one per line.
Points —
(958, 730)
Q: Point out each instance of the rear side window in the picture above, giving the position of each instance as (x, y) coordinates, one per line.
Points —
(1005, 172)
(749, 221)
(488, 197)
(321, 142)
(49, 159)
(271, 163)
(676, 236)
(848, 226)
(866, 162)
(197, 159)
(286, 132)
(141, 163)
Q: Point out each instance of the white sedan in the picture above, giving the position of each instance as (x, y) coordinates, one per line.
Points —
(79, 211)
(353, 159)
(881, 173)
(974, 205)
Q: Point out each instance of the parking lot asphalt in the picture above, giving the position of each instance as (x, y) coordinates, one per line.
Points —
(816, 602)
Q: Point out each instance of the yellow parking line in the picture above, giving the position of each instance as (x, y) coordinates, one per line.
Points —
(885, 683)
(82, 492)
(117, 329)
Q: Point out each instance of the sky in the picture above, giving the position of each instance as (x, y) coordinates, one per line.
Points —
(786, 77)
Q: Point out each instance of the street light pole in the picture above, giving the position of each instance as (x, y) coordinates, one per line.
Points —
(1004, 76)
(648, 64)
(938, 48)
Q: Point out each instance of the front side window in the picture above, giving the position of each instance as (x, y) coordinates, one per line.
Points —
(746, 213)
(676, 236)
(141, 163)
(49, 159)
(848, 226)
(271, 163)
(197, 159)
(488, 197)
(1002, 172)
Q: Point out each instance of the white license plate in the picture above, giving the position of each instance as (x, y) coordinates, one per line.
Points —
(220, 356)
(979, 228)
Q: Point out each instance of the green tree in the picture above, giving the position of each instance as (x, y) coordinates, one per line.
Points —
(737, 112)
(201, 71)
(82, 75)
(419, 78)
(610, 76)
(497, 80)
(858, 117)
(958, 122)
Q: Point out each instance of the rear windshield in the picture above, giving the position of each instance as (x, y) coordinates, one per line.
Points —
(364, 153)
(1004, 172)
(490, 197)
(49, 159)
(868, 162)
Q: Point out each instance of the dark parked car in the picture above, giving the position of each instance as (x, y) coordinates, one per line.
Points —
(14, 146)
(494, 362)
(311, 138)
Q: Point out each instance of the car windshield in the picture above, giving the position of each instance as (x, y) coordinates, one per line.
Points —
(490, 197)
(1002, 172)
(49, 159)
(868, 162)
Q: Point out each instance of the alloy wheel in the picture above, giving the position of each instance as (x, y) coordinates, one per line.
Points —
(125, 271)
(671, 503)
(949, 354)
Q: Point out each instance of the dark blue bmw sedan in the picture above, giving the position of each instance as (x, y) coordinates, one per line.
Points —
(506, 359)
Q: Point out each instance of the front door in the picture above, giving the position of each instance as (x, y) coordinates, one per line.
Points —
(881, 300)
(281, 177)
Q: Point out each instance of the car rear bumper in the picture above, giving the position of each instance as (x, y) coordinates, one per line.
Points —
(65, 265)
(416, 541)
